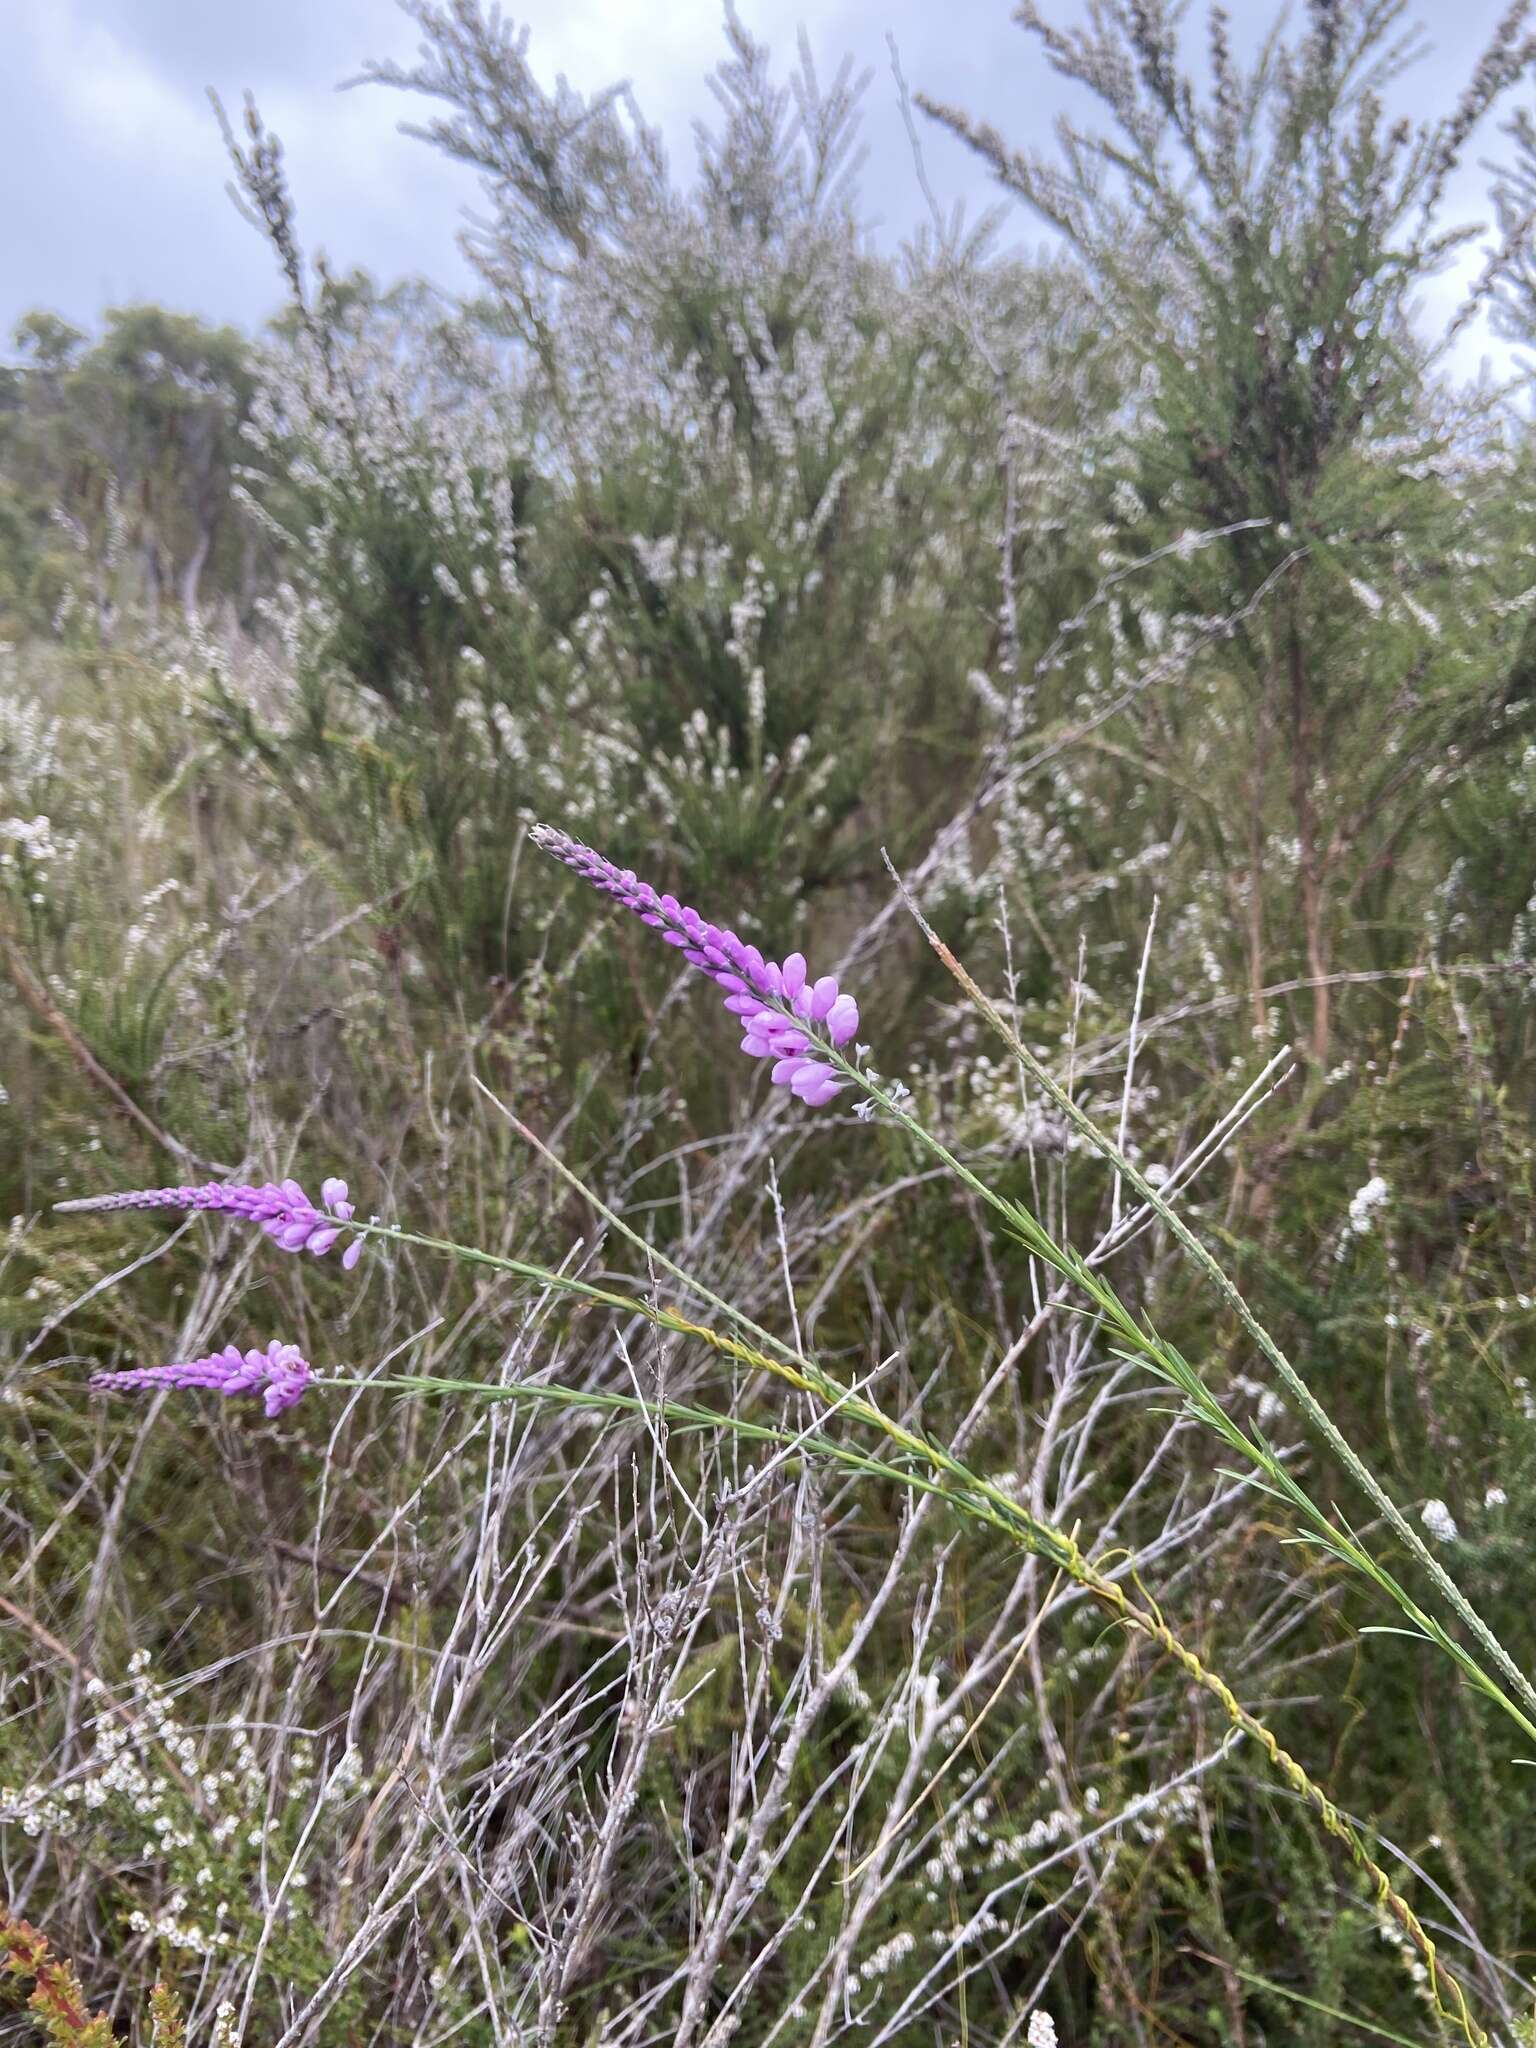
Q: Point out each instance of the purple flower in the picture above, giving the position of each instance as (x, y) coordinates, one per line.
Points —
(786, 1016)
(282, 1369)
(282, 1209)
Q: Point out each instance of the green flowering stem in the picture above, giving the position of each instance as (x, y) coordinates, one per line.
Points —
(967, 1492)
(1144, 1343)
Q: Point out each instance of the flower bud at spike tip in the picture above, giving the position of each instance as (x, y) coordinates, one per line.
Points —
(812, 1014)
(282, 1209)
(281, 1370)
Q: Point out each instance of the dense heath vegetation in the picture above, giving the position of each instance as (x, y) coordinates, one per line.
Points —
(1163, 613)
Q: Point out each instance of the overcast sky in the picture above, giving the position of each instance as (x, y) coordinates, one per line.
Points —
(114, 176)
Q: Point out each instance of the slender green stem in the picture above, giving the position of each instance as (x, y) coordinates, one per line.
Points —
(1142, 1340)
(802, 1373)
(652, 1253)
(975, 1501)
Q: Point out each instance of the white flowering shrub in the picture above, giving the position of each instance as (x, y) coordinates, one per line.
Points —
(684, 559)
(1163, 612)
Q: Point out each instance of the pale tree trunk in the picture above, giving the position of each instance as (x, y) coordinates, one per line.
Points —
(1256, 868)
(1313, 894)
(192, 573)
(152, 582)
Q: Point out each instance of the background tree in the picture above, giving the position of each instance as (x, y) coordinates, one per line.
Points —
(127, 447)
(1256, 240)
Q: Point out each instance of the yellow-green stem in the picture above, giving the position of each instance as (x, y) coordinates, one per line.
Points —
(974, 1497)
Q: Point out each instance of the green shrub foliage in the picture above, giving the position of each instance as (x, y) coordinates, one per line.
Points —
(1161, 609)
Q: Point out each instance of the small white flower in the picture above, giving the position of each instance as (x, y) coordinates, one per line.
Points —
(1495, 1497)
(1439, 1521)
(1042, 2031)
(1364, 1205)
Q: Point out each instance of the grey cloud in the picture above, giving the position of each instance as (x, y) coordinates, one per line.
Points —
(107, 139)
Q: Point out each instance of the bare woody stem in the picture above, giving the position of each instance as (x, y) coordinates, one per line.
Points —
(1305, 1399)
(978, 1500)
(1441, 1980)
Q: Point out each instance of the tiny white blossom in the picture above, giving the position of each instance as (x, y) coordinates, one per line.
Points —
(1364, 1204)
(1439, 1521)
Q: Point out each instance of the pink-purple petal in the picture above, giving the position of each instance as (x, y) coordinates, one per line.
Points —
(823, 996)
(842, 1020)
(281, 1369)
(749, 982)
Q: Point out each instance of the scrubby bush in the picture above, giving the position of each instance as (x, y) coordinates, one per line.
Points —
(777, 1589)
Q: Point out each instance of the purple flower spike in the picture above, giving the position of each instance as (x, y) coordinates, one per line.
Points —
(282, 1209)
(281, 1369)
(786, 1017)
